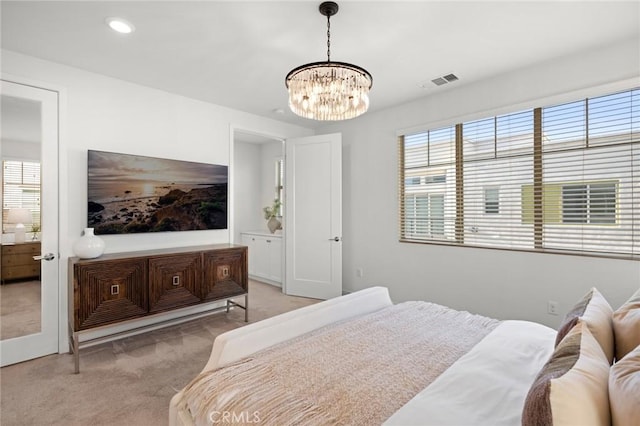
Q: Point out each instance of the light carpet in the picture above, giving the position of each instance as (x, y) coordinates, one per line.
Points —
(128, 381)
(19, 309)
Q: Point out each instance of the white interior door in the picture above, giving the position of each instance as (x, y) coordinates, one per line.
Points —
(44, 339)
(313, 216)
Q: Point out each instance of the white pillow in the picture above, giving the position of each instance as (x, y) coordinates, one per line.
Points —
(626, 326)
(624, 390)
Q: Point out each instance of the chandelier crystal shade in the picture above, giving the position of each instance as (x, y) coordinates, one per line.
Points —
(329, 91)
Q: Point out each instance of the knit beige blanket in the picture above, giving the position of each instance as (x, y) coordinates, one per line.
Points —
(356, 372)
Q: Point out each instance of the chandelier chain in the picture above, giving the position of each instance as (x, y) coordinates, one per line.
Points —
(328, 38)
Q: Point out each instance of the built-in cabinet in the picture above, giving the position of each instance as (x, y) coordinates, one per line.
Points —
(265, 256)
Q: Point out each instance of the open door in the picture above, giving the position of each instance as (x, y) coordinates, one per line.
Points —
(29, 289)
(313, 216)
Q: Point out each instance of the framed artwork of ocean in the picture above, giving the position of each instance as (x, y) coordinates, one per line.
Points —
(132, 194)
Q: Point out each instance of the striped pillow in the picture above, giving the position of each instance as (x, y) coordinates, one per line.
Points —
(597, 313)
(571, 389)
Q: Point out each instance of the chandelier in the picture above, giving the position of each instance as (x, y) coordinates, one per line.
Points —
(329, 90)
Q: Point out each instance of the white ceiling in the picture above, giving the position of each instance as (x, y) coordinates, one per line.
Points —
(237, 54)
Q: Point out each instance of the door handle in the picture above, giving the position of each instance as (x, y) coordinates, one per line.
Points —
(336, 239)
(48, 256)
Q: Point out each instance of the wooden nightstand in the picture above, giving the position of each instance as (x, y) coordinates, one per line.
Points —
(18, 263)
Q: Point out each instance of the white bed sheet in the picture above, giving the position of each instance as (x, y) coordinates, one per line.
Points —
(486, 386)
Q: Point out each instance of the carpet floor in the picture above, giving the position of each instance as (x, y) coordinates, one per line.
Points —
(128, 381)
(19, 309)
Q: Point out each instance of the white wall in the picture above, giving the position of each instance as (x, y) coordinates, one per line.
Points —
(20, 150)
(108, 114)
(255, 180)
(502, 284)
(247, 188)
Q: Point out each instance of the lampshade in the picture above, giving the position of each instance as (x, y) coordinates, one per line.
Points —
(329, 90)
(17, 216)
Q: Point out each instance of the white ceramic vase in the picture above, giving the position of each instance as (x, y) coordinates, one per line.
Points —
(88, 246)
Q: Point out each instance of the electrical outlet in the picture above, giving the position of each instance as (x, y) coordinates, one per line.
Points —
(552, 307)
(359, 273)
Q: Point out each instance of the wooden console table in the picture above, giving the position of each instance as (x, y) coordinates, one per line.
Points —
(120, 287)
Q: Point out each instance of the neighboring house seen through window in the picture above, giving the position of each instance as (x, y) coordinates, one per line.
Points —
(562, 178)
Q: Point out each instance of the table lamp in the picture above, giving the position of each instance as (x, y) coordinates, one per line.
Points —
(19, 217)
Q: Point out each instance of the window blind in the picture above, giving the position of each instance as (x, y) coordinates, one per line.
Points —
(428, 201)
(497, 157)
(20, 189)
(562, 178)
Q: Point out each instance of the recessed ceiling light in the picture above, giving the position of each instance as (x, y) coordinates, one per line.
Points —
(120, 25)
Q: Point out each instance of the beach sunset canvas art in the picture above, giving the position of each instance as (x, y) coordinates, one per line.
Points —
(133, 194)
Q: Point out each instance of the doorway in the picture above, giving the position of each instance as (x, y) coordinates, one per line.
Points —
(258, 183)
(29, 257)
(305, 174)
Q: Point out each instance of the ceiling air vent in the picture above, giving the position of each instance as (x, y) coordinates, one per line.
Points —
(440, 81)
(449, 78)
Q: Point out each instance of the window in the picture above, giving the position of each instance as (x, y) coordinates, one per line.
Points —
(492, 200)
(589, 203)
(425, 215)
(556, 178)
(412, 181)
(20, 189)
(435, 179)
(428, 185)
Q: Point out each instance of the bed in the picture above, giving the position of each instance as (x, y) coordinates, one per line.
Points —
(360, 359)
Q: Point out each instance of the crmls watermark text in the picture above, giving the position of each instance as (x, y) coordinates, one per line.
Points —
(231, 417)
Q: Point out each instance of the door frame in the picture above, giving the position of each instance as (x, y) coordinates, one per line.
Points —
(62, 228)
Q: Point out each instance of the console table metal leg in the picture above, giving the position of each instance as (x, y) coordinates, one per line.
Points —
(76, 353)
(246, 307)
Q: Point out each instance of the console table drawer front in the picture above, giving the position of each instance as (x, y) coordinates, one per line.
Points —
(109, 292)
(174, 281)
(225, 274)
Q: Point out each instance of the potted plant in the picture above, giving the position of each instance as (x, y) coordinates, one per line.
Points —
(35, 228)
(271, 214)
